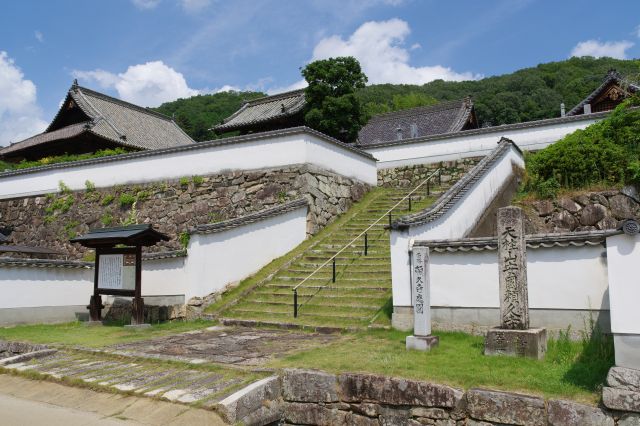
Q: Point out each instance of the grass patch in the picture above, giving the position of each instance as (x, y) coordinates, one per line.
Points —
(571, 369)
(78, 334)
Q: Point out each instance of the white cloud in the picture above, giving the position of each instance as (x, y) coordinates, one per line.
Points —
(39, 36)
(597, 49)
(145, 4)
(300, 84)
(20, 116)
(192, 6)
(226, 88)
(379, 46)
(148, 84)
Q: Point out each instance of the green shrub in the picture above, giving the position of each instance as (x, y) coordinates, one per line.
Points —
(142, 195)
(106, 219)
(606, 152)
(64, 188)
(90, 186)
(197, 180)
(108, 199)
(126, 200)
(184, 238)
(184, 181)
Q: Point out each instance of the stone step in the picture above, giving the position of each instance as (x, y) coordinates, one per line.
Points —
(331, 287)
(301, 313)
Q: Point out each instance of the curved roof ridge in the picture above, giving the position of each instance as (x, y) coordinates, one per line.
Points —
(122, 103)
(278, 96)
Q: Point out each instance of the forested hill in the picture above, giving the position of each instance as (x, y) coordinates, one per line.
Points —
(525, 95)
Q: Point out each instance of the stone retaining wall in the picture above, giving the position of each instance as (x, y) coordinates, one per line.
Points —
(318, 398)
(175, 206)
(451, 171)
(586, 211)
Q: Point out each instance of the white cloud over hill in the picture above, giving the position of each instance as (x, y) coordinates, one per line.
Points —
(148, 84)
(598, 49)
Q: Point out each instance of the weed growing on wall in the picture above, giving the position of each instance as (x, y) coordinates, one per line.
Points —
(126, 200)
(107, 199)
(197, 180)
(184, 238)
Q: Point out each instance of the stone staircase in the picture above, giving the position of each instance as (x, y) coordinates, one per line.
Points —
(363, 283)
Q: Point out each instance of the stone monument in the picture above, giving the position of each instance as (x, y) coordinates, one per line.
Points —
(422, 339)
(513, 336)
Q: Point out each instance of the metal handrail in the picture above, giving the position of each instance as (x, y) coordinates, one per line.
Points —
(332, 258)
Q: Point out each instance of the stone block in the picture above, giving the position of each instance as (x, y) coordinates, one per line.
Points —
(629, 420)
(431, 413)
(621, 399)
(309, 386)
(402, 318)
(530, 343)
(624, 378)
(249, 399)
(422, 343)
(313, 414)
(503, 407)
(395, 391)
(567, 413)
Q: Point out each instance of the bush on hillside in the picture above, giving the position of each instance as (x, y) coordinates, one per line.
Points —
(606, 152)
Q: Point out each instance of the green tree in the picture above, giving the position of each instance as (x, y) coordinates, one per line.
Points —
(332, 106)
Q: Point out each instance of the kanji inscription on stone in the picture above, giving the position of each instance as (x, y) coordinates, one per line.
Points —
(512, 262)
(420, 291)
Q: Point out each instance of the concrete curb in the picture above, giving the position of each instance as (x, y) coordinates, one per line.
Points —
(27, 356)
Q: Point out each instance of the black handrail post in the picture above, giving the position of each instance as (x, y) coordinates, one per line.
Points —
(334, 269)
(366, 244)
(428, 188)
(440, 177)
(389, 218)
(295, 303)
(409, 202)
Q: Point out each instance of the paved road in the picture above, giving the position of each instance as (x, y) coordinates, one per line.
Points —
(19, 411)
(33, 403)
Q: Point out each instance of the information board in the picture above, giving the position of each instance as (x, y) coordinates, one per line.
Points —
(117, 272)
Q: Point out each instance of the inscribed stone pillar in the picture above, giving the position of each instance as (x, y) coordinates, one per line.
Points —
(514, 337)
(421, 300)
(512, 262)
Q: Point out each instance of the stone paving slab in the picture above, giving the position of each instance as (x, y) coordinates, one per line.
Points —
(202, 386)
(239, 346)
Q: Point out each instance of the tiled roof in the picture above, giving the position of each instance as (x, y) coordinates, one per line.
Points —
(613, 77)
(453, 195)
(63, 133)
(444, 117)
(263, 110)
(570, 239)
(225, 225)
(115, 120)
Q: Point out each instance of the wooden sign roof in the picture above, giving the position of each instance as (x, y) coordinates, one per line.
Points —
(133, 235)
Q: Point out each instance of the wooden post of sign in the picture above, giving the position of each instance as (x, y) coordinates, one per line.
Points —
(137, 317)
(95, 303)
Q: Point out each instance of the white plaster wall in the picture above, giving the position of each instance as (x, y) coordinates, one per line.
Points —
(457, 223)
(472, 145)
(280, 151)
(218, 259)
(164, 277)
(558, 278)
(214, 261)
(22, 287)
(623, 255)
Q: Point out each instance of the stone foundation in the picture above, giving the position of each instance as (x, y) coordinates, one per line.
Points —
(585, 211)
(422, 343)
(451, 171)
(175, 206)
(317, 398)
(531, 343)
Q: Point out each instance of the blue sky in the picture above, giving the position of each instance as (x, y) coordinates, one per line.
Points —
(150, 51)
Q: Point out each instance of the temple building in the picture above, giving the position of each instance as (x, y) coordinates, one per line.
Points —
(279, 111)
(613, 90)
(89, 121)
(443, 117)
